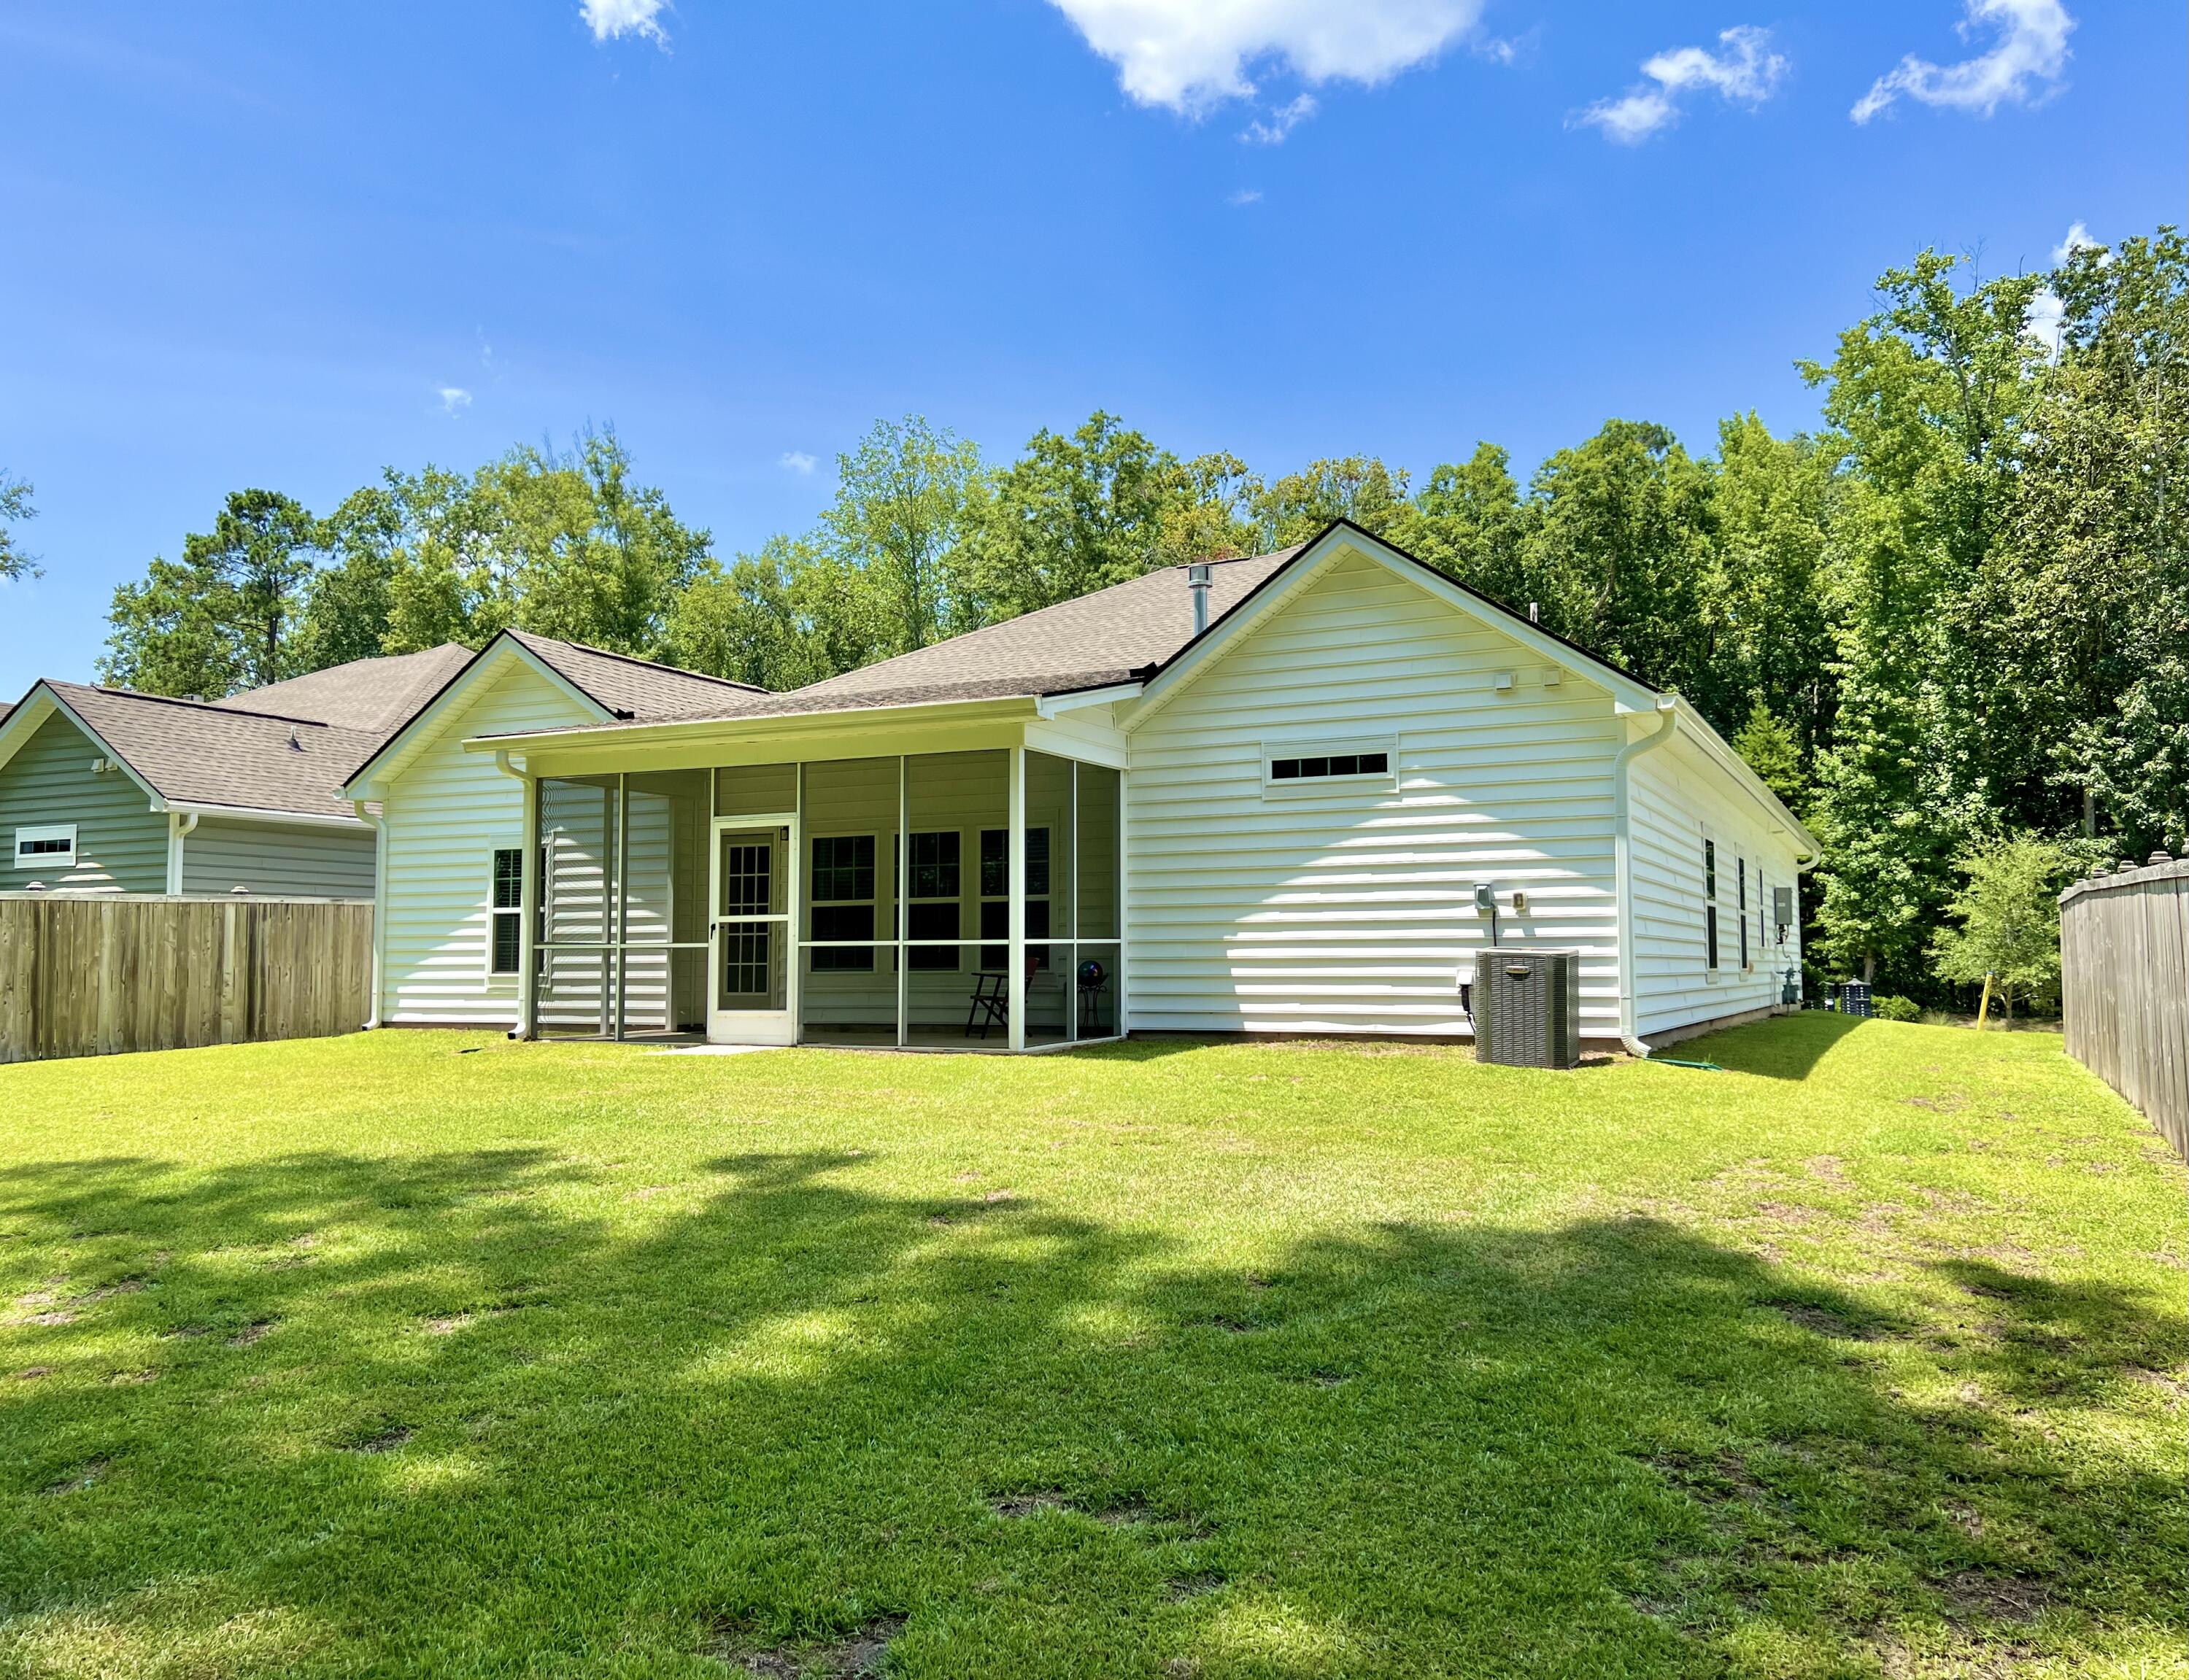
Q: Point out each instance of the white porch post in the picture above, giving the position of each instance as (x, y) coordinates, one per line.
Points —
(1071, 909)
(528, 931)
(1015, 864)
(899, 875)
(1123, 1025)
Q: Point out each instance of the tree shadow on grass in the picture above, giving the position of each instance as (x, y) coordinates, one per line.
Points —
(503, 1414)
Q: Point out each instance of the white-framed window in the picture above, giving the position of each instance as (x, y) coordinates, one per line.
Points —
(1709, 905)
(506, 912)
(45, 845)
(1740, 869)
(1329, 766)
(843, 902)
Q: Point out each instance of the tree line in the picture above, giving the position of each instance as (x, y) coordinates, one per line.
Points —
(1954, 616)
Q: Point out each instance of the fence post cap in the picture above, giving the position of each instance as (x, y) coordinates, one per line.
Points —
(2160, 856)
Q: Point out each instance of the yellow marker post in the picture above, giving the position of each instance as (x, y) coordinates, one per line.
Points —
(1984, 1008)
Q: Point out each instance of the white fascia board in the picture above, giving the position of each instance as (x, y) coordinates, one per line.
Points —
(1696, 729)
(41, 703)
(1051, 705)
(787, 725)
(262, 814)
(365, 784)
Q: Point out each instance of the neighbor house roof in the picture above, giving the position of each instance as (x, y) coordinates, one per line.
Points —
(373, 695)
(191, 753)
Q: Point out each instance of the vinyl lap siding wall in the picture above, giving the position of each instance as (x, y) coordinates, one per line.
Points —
(219, 855)
(1352, 911)
(120, 842)
(1677, 798)
(445, 814)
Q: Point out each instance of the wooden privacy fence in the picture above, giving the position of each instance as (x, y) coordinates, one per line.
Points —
(93, 974)
(2124, 987)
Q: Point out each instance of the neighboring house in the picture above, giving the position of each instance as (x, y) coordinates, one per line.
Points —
(1261, 795)
(107, 790)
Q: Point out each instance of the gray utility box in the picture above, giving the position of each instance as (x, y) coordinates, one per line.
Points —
(1526, 1005)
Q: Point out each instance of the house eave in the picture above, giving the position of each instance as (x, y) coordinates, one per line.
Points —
(784, 725)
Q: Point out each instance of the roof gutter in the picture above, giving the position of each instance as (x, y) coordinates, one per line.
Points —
(761, 726)
(1668, 719)
(195, 807)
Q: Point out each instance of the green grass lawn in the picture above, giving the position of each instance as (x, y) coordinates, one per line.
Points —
(433, 1355)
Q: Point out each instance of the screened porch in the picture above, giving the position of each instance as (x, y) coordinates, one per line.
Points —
(965, 901)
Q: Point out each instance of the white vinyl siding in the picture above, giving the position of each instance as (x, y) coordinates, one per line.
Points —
(1350, 908)
(1679, 800)
(445, 813)
(121, 841)
(277, 861)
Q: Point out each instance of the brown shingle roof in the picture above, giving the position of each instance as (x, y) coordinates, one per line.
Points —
(373, 695)
(637, 688)
(196, 753)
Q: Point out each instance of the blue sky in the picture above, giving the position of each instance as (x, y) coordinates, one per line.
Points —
(286, 245)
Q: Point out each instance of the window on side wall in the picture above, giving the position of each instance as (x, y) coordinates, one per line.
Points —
(506, 912)
(1709, 905)
(843, 902)
(1331, 766)
(1742, 870)
(50, 845)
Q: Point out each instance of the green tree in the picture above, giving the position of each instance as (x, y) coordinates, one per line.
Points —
(350, 599)
(225, 617)
(2082, 616)
(15, 507)
(1772, 749)
(1294, 508)
(1771, 638)
(1619, 554)
(1926, 399)
(1469, 521)
(1079, 513)
(905, 497)
(2008, 917)
(779, 619)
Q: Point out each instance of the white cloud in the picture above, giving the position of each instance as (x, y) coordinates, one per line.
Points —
(1746, 72)
(610, 18)
(1244, 196)
(2032, 49)
(1283, 121)
(1192, 54)
(799, 461)
(2078, 239)
(455, 399)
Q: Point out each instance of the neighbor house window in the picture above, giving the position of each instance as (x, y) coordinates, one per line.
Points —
(46, 846)
(507, 947)
(1709, 905)
(1742, 869)
(932, 884)
(995, 894)
(844, 902)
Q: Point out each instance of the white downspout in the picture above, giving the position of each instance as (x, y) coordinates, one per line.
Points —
(379, 906)
(180, 827)
(1623, 852)
(527, 991)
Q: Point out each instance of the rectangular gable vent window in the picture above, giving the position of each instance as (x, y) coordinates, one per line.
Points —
(1332, 764)
(46, 846)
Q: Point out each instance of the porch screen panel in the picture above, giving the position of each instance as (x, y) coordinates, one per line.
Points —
(1099, 902)
(952, 799)
(664, 902)
(1052, 855)
(848, 887)
(578, 845)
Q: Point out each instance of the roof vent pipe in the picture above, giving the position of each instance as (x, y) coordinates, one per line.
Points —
(1196, 581)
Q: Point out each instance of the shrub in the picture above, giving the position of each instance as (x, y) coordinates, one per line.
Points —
(1896, 1009)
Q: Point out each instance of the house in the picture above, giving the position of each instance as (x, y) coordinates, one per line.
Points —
(107, 790)
(1293, 793)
